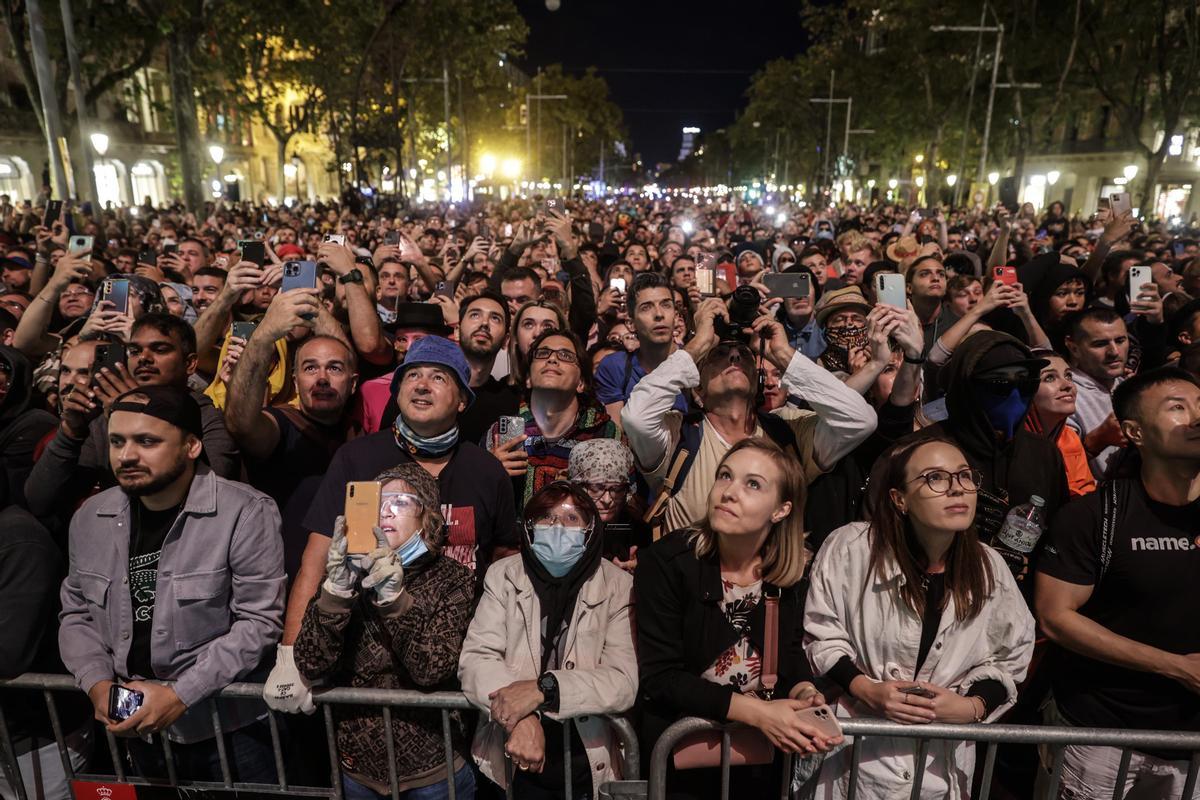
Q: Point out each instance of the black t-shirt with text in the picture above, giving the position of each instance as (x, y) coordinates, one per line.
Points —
(147, 532)
(1149, 593)
(476, 495)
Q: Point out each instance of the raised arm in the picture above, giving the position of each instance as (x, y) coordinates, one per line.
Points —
(211, 325)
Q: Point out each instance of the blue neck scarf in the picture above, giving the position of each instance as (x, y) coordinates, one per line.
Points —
(418, 445)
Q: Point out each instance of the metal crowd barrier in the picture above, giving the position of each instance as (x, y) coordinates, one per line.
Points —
(386, 699)
(858, 729)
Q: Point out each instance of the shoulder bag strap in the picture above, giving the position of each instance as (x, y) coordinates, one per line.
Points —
(770, 656)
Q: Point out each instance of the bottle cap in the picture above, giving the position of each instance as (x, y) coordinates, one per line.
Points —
(1037, 501)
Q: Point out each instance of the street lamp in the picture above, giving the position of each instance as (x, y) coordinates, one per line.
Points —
(100, 143)
(893, 183)
(993, 178)
(1052, 176)
(511, 168)
(951, 179)
(920, 181)
(1131, 172)
(217, 153)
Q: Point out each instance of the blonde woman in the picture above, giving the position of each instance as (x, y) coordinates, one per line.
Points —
(701, 618)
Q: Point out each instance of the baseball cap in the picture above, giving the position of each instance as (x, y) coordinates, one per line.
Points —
(168, 403)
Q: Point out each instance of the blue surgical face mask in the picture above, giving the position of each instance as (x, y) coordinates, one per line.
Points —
(412, 549)
(558, 547)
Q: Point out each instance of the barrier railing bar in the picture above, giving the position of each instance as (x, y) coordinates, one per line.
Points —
(630, 746)
(11, 762)
(1056, 771)
(169, 756)
(566, 726)
(725, 748)
(451, 789)
(919, 768)
(335, 768)
(390, 743)
(989, 767)
(222, 755)
(115, 753)
(855, 759)
(277, 750)
(785, 785)
(508, 777)
(59, 739)
(1122, 772)
(1189, 785)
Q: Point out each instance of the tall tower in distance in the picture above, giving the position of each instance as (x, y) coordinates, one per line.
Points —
(688, 143)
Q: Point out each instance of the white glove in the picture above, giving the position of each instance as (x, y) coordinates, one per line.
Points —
(386, 575)
(342, 572)
(286, 689)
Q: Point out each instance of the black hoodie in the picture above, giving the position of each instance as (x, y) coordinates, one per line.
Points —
(22, 426)
(1012, 471)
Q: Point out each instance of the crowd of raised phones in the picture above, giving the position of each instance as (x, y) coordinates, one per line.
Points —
(761, 463)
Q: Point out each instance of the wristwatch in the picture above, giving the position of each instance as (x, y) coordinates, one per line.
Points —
(548, 686)
(353, 276)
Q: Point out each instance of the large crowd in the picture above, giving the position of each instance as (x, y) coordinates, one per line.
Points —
(763, 462)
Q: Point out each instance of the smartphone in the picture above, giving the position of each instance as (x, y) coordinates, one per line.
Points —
(254, 251)
(484, 230)
(507, 230)
(80, 245)
(508, 429)
(1137, 277)
(107, 357)
(820, 717)
(618, 284)
(919, 691)
(1005, 275)
(787, 284)
(706, 281)
(242, 330)
(116, 291)
(336, 238)
(123, 702)
(1178, 249)
(393, 237)
(53, 212)
(443, 289)
(299, 275)
(1120, 203)
(146, 256)
(169, 248)
(889, 289)
(363, 499)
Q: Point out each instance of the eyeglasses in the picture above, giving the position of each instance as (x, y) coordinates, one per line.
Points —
(623, 337)
(564, 355)
(78, 293)
(400, 504)
(596, 491)
(939, 480)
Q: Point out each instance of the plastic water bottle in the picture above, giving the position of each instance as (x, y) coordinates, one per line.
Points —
(1019, 535)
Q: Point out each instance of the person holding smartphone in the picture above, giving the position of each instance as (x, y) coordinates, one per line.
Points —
(393, 618)
(917, 621)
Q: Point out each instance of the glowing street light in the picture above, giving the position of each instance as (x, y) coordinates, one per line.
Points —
(993, 177)
(919, 180)
(1052, 176)
(100, 143)
(893, 183)
(216, 152)
(511, 168)
(951, 179)
(487, 164)
(1131, 172)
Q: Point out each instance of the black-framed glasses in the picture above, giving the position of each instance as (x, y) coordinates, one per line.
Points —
(562, 354)
(940, 480)
(597, 490)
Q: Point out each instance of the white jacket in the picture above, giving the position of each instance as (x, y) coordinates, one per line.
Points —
(600, 674)
(854, 612)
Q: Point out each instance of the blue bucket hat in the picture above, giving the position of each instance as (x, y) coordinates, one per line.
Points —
(442, 352)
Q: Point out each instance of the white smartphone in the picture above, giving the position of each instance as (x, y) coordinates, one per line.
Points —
(1137, 277)
(1120, 203)
(336, 238)
(618, 284)
(889, 289)
(80, 245)
(706, 282)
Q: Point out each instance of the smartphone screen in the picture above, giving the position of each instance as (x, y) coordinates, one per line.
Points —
(618, 284)
(336, 238)
(123, 703)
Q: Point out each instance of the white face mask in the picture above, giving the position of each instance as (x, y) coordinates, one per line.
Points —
(558, 547)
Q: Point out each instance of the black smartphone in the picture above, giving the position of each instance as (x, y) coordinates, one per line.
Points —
(787, 284)
(243, 330)
(169, 249)
(108, 356)
(919, 691)
(53, 212)
(116, 291)
(123, 702)
(254, 251)
(146, 256)
(393, 237)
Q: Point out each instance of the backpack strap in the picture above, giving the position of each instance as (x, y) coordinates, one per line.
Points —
(1110, 505)
(628, 374)
(777, 430)
(681, 463)
(770, 656)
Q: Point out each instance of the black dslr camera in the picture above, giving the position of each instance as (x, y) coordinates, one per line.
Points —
(743, 310)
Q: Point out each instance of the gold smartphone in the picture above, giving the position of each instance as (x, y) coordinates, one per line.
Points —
(363, 499)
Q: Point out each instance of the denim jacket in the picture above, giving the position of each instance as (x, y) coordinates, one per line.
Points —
(219, 599)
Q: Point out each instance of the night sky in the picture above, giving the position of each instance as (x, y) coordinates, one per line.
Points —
(710, 49)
